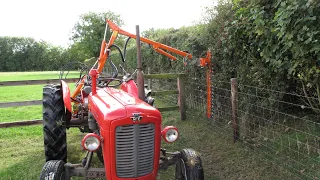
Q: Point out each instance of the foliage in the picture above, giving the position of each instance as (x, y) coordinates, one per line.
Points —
(184, 38)
(269, 44)
(26, 54)
(88, 32)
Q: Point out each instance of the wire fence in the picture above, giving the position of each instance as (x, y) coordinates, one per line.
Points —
(278, 126)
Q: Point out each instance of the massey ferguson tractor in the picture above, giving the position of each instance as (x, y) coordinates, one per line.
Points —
(123, 130)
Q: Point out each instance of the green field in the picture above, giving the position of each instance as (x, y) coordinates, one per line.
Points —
(19, 76)
(22, 147)
(24, 93)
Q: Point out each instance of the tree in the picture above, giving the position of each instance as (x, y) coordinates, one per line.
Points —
(27, 54)
(88, 32)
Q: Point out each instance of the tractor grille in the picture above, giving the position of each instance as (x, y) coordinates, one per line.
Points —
(134, 150)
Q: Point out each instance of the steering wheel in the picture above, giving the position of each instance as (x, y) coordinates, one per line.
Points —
(108, 82)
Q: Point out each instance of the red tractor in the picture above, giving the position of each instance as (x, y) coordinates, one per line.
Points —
(123, 130)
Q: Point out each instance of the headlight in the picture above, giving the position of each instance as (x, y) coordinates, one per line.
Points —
(170, 134)
(91, 142)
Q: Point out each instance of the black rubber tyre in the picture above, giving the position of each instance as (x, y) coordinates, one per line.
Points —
(53, 170)
(191, 165)
(54, 125)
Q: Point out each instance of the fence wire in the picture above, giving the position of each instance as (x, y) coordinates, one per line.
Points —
(277, 125)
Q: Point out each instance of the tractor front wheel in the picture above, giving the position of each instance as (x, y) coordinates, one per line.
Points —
(53, 170)
(54, 125)
(190, 166)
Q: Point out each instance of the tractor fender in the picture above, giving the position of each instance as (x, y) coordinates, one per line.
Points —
(66, 95)
(130, 87)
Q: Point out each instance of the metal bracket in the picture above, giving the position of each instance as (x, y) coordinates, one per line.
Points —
(165, 161)
(206, 62)
(83, 172)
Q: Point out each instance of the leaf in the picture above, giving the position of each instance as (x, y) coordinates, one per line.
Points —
(315, 49)
(287, 129)
(259, 32)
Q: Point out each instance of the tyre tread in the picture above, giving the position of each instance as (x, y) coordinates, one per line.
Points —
(54, 166)
(193, 164)
(54, 128)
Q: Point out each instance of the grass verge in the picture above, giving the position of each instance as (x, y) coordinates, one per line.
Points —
(22, 151)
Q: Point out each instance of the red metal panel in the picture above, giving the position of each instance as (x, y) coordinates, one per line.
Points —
(130, 87)
(105, 107)
(66, 95)
(150, 115)
(112, 108)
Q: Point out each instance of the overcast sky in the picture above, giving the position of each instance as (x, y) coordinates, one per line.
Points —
(53, 20)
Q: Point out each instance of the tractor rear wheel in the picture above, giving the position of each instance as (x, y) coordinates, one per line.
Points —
(53, 170)
(191, 165)
(54, 125)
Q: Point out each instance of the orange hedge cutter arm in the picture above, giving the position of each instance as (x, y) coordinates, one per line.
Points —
(156, 46)
(104, 52)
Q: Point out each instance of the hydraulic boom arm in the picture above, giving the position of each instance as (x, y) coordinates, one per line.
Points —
(105, 48)
(159, 47)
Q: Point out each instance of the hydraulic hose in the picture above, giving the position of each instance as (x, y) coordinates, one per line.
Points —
(112, 64)
(125, 47)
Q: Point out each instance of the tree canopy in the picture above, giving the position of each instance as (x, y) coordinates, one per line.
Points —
(27, 54)
(88, 32)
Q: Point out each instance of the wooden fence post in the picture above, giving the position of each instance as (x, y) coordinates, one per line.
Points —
(149, 80)
(234, 104)
(182, 97)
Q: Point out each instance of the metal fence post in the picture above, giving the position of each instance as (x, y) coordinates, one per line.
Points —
(234, 104)
(140, 78)
(182, 97)
(209, 93)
